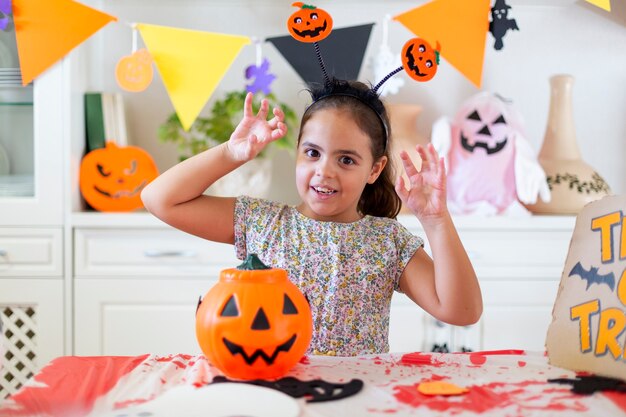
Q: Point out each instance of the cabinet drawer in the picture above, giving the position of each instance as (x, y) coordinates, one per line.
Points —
(31, 252)
(148, 252)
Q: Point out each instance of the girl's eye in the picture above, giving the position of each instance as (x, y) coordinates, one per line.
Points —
(311, 153)
(346, 160)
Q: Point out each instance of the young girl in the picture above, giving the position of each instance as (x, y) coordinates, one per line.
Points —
(341, 245)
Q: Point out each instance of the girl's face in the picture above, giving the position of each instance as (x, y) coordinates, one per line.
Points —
(333, 165)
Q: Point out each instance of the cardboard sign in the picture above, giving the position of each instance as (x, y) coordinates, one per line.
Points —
(588, 329)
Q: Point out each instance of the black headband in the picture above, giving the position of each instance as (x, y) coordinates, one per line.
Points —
(335, 87)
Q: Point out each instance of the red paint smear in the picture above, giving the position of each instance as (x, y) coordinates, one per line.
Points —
(521, 364)
(171, 358)
(305, 360)
(617, 397)
(481, 398)
(73, 384)
(419, 359)
(478, 359)
(435, 377)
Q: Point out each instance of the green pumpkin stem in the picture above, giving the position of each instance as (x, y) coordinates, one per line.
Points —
(308, 6)
(252, 263)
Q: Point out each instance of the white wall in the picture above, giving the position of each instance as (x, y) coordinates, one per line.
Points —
(556, 36)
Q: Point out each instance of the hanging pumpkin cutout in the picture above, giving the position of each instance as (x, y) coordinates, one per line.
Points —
(111, 178)
(420, 60)
(134, 72)
(254, 323)
(309, 24)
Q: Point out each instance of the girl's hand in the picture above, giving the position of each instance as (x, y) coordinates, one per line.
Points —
(255, 132)
(426, 196)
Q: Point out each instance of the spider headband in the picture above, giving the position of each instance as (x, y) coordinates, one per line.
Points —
(310, 24)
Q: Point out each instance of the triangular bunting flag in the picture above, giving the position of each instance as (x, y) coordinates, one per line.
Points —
(46, 30)
(604, 4)
(460, 26)
(343, 51)
(191, 64)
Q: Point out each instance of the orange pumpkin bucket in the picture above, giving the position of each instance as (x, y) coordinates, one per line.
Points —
(254, 323)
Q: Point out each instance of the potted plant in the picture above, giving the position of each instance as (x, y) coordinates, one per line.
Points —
(252, 178)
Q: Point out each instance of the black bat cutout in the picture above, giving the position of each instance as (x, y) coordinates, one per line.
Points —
(588, 384)
(592, 276)
(314, 391)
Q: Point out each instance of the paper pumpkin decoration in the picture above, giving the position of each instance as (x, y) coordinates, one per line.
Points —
(588, 329)
(134, 72)
(111, 178)
(254, 323)
(309, 24)
(419, 59)
(490, 164)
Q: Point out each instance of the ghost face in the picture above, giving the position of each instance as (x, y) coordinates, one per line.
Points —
(484, 126)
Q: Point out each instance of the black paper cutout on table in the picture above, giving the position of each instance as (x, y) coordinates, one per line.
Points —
(500, 23)
(314, 391)
(588, 384)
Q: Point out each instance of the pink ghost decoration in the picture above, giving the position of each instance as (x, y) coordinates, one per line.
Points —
(491, 167)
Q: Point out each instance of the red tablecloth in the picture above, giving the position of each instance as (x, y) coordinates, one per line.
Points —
(510, 383)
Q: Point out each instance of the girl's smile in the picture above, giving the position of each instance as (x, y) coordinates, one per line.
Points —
(333, 165)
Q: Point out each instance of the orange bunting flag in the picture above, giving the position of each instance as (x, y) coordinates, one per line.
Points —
(191, 64)
(47, 30)
(459, 26)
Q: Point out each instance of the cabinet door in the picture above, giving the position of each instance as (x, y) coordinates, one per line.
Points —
(31, 135)
(31, 311)
(517, 314)
(136, 316)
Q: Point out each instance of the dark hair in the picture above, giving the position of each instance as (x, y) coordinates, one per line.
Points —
(378, 199)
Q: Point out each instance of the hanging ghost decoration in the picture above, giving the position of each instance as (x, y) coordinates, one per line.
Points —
(500, 23)
(491, 166)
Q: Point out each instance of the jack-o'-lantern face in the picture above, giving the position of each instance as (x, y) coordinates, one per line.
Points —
(254, 323)
(309, 24)
(420, 60)
(111, 178)
(485, 124)
(134, 72)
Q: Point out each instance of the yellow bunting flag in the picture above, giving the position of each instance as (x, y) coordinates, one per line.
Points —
(604, 4)
(459, 26)
(191, 64)
(47, 30)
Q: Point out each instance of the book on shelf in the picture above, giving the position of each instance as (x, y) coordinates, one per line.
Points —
(105, 120)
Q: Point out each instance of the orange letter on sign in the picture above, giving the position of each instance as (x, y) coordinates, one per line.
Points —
(612, 323)
(604, 225)
(583, 313)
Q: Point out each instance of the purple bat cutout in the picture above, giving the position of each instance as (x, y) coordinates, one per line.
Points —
(262, 77)
(5, 9)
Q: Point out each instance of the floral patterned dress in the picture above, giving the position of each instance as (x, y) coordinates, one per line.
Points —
(347, 271)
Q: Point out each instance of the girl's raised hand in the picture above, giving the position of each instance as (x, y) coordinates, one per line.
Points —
(426, 194)
(255, 132)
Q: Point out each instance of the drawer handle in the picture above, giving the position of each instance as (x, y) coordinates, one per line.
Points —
(170, 254)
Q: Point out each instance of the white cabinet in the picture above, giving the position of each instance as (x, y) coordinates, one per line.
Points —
(519, 262)
(137, 284)
(32, 284)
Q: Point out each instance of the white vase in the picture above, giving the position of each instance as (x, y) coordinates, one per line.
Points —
(252, 179)
(573, 183)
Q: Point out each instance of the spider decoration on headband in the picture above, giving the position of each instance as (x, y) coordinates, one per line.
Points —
(311, 24)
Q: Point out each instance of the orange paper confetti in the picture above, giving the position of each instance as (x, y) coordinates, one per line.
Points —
(440, 388)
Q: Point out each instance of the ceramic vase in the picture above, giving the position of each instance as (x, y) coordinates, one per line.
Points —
(573, 183)
(403, 119)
